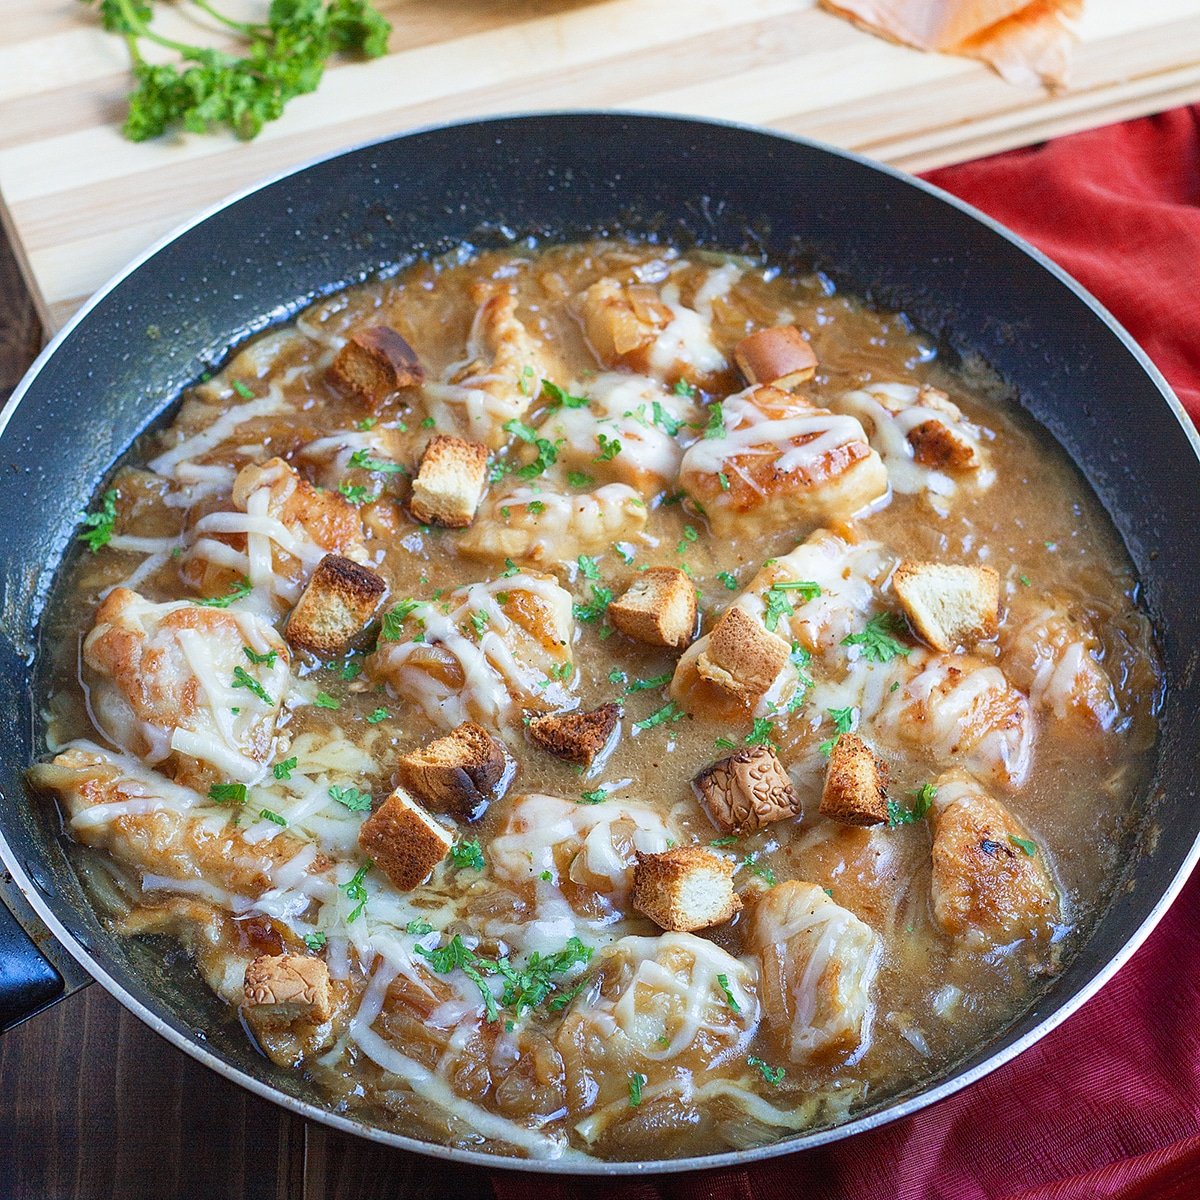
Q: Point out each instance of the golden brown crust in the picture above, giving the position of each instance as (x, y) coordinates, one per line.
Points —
(855, 784)
(404, 841)
(685, 888)
(658, 608)
(449, 482)
(575, 737)
(458, 773)
(292, 986)
(949, 605)
(747, 791)
(779, 356)
(374, 363)
(742, 656)
(936, 445)
(335, 608)
(622, 322)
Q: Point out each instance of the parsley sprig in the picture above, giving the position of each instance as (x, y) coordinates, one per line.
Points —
(98, 525)
(878, 644)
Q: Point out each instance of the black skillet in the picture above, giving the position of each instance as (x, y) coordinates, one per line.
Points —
(121, 363)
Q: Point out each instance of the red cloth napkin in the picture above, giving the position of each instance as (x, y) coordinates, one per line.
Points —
(1107, 1107)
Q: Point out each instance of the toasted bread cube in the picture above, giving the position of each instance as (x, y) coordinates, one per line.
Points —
(283, 988)
(855, 784)
(658, 608)
(335, 608)
(949, 605)
(374, 363)
(742, 656)
(780, 357)
(685, 888)
(449, 483)
(404, 841)
(746, 791)
(458, 774)
(577, 738)
(936, 444)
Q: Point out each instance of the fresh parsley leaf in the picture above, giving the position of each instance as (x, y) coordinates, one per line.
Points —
(98, 525)
(750, 863)
(366, 423)
(876, 639)
(537, 507)
(728, 840)
(715, 427)
(596, 797)
(529, 986)
(669, 712)
(356, 493)
(923, 799)
(227, 793)
(609, 448)
(842, 718)
(268, 815)
(314, 941)
(579, 479)
(418, 928)
(283, 770)
(730, 999)
(356, 890)
(455, 955)
(683, 388)
(667, 423)
(380, 714)
(723, 743)
(237, 591)
(479, 622)
(624, 551)
(261, 660)
(1030, 848)
(597, 606)
(647, 685)
(395, 617)
(729, 580)
(760, 733)
(243, 390)
(467, 854)
(723, 480)
(351, 798)
(773, 1075)
(588, 566)
(636, 1082)
(243, 679)
(559, 398)
(363, 459)
(428, 423)
(1024, 580)
(325, 700)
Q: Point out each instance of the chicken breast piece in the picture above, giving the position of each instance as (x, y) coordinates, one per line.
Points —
(955, 708)
(1056, 660)
(991, 884)
(281, 530)
(655, 1007)
(195, 690)
(162, 829)
(544, 527)
(500, 377)
(781, 460)
(818, 964)
(485, 654)
(588, 851)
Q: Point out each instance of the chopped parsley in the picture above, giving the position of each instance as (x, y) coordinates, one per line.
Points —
(843, 722)
(380, 714)
(773, 1075)
(728, 840)
(227, 793)
(616, 675)
(596, 606)
(395, 617)
(750, 862)
(268, 815)
(723, 480)
(314, 941)
(728, 579)
(547, 451)
(242, 390)
(760, 733)
(351, 798)
(325, 700)
(778, 604)
(428, 423)
(418, 927)
(537, 507)
(588, 566)
(1024, 580)
(479, 622)
(261, 660)
(730, 999)
(624, 551)
(667, 423)
(356, 493)
(689, 535)
(669, 712)
(923, 799)
(243, 679)
(283, 770)
(716, 420)
(683, 388)
(366, 423)
(356, 890)
(467, 854)
(646, 685)
(510, 569)
(363, 459)
(579, 478)
(636, 1082)
(560, 398)
(876, 639)
(723, 743)
(98, 525)
(1025, 844)
(596, 797)
(609, 448)
(237, 591)
(546, 876)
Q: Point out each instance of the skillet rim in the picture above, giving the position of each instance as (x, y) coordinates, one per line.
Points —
(573, 1162)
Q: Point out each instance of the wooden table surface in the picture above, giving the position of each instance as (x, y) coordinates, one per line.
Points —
(94, 1106)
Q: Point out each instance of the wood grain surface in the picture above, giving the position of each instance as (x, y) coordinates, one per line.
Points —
(80, 201)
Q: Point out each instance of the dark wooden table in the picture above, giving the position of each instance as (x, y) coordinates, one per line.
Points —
(94, 1105)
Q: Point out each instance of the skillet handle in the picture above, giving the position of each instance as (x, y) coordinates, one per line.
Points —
(28, 980)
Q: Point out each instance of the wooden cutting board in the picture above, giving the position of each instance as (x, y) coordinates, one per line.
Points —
(79, 201)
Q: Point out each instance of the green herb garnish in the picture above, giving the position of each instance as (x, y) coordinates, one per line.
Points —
(773, 1075)
(261, 660)
(730, 999)
(467, 854)
(356, 890)
(351, 798)
(227, 793)
(237, 591)
(283, 770)
(98, 525)
(876, 639)
(243, 679)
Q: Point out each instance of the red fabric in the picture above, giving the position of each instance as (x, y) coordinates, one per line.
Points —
(1107, 1107)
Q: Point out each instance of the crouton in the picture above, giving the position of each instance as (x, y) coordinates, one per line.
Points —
(575, 737)
(949, 605)
(458, 774)
(282, 988)
(747, 791)
(742, 656)
(855, 784)
(936, 445)
(404, 841)
(780, 357)
(658, 608)
(449, 483)
(374, 363)
(685, 888)
(335, 607)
